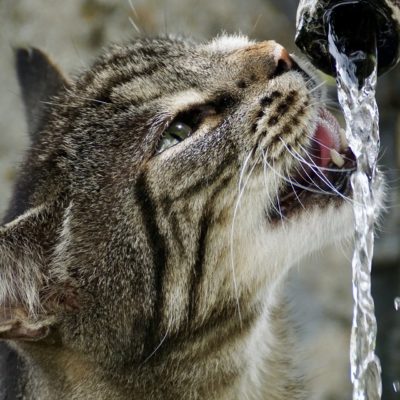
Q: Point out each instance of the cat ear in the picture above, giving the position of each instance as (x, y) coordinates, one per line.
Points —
(31, 299)
(39, 80)
(15, 324)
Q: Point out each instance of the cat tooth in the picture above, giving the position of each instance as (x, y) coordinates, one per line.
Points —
(337, 159)
(343, 138)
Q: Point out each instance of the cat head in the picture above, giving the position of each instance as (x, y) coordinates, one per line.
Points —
(168, 189)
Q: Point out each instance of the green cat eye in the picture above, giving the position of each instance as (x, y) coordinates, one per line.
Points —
(174, 134)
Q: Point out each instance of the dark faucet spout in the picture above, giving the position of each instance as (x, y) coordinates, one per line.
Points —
(353, 37)
(358, 28)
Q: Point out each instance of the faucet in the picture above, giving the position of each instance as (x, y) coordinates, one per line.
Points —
(370, 27)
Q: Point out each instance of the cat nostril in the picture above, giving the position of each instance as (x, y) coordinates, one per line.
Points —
(283, 61)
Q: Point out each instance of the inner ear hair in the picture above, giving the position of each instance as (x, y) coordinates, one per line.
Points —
(16, 324)
(31, 297)
(22, 260)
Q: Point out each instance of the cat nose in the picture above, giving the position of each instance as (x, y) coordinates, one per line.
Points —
(265, 57)
(282, 59)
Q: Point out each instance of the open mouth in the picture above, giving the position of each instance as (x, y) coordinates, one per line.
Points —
(323, 173)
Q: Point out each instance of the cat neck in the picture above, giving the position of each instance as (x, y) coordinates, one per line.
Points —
(217, 366)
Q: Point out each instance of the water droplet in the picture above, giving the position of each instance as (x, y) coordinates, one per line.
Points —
(396, 386)
(397, 303)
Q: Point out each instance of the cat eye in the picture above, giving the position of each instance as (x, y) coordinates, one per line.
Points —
(184, 125)
(174, 134)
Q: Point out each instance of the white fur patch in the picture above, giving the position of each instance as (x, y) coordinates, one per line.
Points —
(229, 43)
(184, 100)
(21, 287)
(62, 246)
(20, 277)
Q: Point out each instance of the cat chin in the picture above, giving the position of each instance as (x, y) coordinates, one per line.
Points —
(322, 226)
(308, 231)
(317, 226)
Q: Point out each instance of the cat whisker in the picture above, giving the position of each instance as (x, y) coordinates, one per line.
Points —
(332, 107)
(165, 18)
(295, 183)
(77, 105)
(326, 147)
(78, 54)
(242, 172)
(156, 349)
(310, 80)
(326, 181)
(135, 27)
(241, 188)
(95, 100)
(253, 29)
(314, 88)
(276, 209)
(278, 205)
(309, 177)
(135, 16)
(312, 164)
(133, 9)
(315, 169)
(316, 103)
(50, 103)
(302, 160)
(381, 155)
(297, 197)
(332, 102)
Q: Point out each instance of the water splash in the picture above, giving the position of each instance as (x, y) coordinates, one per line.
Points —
(357, 98)
(397, 303)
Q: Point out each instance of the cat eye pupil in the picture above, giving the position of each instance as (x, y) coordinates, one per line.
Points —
(174, 134)
(179, 130)
(184, 125)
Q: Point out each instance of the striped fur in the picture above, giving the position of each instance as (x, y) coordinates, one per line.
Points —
(164, 275)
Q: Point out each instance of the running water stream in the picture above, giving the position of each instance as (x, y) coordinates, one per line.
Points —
(357, 98)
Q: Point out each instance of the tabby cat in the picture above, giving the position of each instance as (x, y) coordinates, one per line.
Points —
(166, 193)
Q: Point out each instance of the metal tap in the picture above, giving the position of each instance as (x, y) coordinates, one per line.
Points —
(358, 24)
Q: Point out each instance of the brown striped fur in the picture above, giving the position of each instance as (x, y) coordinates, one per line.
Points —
(140, 276)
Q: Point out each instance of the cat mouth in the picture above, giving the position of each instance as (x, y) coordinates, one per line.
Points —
(323, 171)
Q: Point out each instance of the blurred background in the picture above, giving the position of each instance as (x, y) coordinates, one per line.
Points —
(73, 33)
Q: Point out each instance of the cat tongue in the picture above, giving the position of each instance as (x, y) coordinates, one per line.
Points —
(326, 138)
(326, 143)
